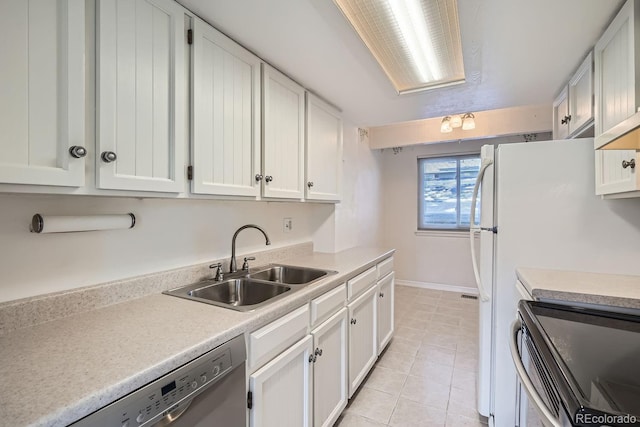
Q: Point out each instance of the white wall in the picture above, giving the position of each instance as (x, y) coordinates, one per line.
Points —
(441, 258)
(357, 220)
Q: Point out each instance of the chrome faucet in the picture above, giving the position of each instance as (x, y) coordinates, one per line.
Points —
(232, 265)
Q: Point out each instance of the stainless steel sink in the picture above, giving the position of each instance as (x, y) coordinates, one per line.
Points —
(242, 294)
(290, 275)
(246, 291)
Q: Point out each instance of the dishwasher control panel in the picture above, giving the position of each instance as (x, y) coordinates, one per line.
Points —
(170, 394)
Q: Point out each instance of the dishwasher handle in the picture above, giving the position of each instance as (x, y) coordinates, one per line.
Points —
(175, 414)
(547, 417)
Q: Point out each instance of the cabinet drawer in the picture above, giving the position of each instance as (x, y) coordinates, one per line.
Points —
(324, 306)
(361, 282)
(385, 267)
(270, 340)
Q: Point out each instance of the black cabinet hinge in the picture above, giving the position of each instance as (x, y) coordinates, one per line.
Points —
(249, 400)
(190, 36)
(189, 173)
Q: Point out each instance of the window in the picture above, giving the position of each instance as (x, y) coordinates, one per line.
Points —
(445, 187)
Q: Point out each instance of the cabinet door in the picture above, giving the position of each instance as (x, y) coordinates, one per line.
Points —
(611, 176)
(330, 370)
(283, 135)
(140, 95)
(385, 311)
(226, 115)
(560, 115)
(363, 337)
(581, 96)
(281, 390)
(615, 56)
(323, 150)
(42, 86)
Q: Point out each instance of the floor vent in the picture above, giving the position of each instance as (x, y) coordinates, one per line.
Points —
(468, 296)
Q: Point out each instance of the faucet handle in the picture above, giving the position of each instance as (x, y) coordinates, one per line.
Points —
(219, 275)
(245, 265)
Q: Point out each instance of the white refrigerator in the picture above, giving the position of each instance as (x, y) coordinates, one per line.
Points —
(538, 209)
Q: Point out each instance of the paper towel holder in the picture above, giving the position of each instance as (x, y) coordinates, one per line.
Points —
(83, 223)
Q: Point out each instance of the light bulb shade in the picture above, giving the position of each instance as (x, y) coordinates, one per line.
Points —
(456, 121)
(445, 126)
(468, 121)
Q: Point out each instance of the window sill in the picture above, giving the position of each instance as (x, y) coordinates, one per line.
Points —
(459, 234)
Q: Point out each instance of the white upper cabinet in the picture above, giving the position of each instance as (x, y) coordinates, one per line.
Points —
(323, 150)
(140, 95)
(561, 115)
(283, 135)
(617, 81)
(226, 115)
(573, 107)
(581, 97)
(616, 69)
(42, 102)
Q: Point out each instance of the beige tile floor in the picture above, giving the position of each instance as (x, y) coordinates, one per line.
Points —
(426, 376)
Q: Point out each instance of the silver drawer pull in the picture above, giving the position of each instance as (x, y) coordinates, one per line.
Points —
(629, 164)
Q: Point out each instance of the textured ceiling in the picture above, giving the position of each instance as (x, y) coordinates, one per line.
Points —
(515, 52)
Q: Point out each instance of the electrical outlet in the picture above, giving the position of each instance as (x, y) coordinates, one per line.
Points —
(287, 225)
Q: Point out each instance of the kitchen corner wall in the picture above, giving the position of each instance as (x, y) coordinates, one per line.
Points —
(357, 220)
(172, 233)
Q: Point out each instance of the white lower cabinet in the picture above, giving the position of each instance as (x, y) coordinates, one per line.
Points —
(385, 311)
(363, 337)
(330, 370)
(280, 391)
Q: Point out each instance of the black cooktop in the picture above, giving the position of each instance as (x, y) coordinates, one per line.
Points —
(596, 355)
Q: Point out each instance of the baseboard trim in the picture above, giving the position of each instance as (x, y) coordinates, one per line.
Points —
(438, 286)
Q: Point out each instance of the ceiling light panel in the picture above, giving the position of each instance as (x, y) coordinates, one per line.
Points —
(416, 42)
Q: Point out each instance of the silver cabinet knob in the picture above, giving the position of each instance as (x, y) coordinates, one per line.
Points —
(108, 156)
(318, 352)
(312, 358)
(310, 184)
(629, 164)
(77, 151)
(268, 178)
(258, 177)
(381, 295)
(354, 321)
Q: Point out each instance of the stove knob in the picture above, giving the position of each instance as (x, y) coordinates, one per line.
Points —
(203, 378)
(216, 370)
(194, 384)
(140, 417)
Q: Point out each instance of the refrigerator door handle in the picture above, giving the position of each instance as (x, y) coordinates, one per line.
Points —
(473, 229)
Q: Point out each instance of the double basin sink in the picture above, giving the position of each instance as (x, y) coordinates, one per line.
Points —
(246, 291)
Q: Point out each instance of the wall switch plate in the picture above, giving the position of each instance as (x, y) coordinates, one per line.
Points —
(287, 224)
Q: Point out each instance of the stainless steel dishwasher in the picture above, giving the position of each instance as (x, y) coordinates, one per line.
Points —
(208, 391)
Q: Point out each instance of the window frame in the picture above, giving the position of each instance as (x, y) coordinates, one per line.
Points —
(420, 211)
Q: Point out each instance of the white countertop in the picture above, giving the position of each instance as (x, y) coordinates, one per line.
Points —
(593, 288)
(58, 372)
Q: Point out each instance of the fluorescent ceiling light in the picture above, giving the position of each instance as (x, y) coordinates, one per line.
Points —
(416, 42)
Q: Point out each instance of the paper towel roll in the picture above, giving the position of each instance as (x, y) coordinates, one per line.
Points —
(68, 224)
